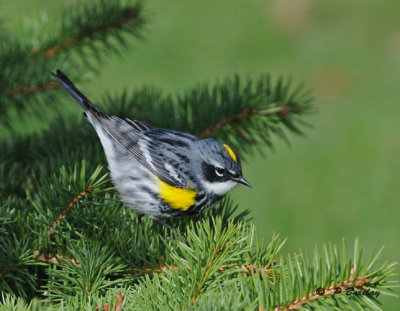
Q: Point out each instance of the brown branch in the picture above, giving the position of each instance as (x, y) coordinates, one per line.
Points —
(117, 305)
(38, 256)
(282, 111)
(66, 210)
(252, 269)
(49, 258)
(331, 290)
(248, 269)
(6, 270)
(128, 15)
(32, 88)
(199, 290)
(245, 136)
(228, 121)
(148, 270)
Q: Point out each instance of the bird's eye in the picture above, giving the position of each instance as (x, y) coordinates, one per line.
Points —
(219, 171)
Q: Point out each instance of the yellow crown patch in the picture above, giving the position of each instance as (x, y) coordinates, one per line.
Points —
(230, 152)
(177, 198)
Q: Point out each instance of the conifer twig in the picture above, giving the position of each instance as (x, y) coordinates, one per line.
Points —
(228, 121)
(282, 111)
(147, 270)
(251, 268)
(127, 15)
(32, 88)
(198, 289)
(66, 210)
(247, 268)
(333, 289)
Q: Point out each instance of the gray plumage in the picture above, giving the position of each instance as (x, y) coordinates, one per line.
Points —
(138, 154)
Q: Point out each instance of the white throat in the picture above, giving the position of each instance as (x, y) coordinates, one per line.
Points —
(219, 188)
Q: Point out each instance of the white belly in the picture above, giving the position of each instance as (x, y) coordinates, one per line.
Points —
(136, 185)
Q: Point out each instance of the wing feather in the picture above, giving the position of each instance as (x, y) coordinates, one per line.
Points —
(141, 140)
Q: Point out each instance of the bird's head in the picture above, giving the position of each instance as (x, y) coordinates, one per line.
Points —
(219, 167)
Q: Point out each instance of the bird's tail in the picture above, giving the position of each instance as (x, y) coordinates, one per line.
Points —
(82, 100)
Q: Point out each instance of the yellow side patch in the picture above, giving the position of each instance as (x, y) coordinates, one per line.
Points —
(177, 198)
(230, 152)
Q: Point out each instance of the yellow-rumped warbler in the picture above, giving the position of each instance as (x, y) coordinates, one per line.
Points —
(161, 172)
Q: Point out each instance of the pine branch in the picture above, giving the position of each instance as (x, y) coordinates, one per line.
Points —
(86, 32)
(246, 268)
(67, 209)
(99, 269)
(229, 121)
(334, 289)
(200, 286)
(66, 184)
(209, 269)
(325, 281)
(117, 18)
(32, 88)
(16, 263)
(30, 160)
(282, 111)
(59, 259)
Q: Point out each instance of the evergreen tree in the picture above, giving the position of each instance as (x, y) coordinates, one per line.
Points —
(66, 241)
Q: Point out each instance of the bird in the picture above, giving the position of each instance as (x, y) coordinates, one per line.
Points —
(161, 172)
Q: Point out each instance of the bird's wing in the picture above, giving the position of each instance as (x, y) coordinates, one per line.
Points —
(157, 156)
(148, 145)
(170, 156)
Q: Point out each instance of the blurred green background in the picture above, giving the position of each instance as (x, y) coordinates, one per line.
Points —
(342, 180)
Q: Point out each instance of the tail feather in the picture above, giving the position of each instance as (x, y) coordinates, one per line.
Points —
(82, 100)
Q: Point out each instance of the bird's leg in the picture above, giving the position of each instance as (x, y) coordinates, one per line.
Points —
(171, 228)
(139, 216)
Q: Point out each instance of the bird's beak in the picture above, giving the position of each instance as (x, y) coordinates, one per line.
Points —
(242, 181)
